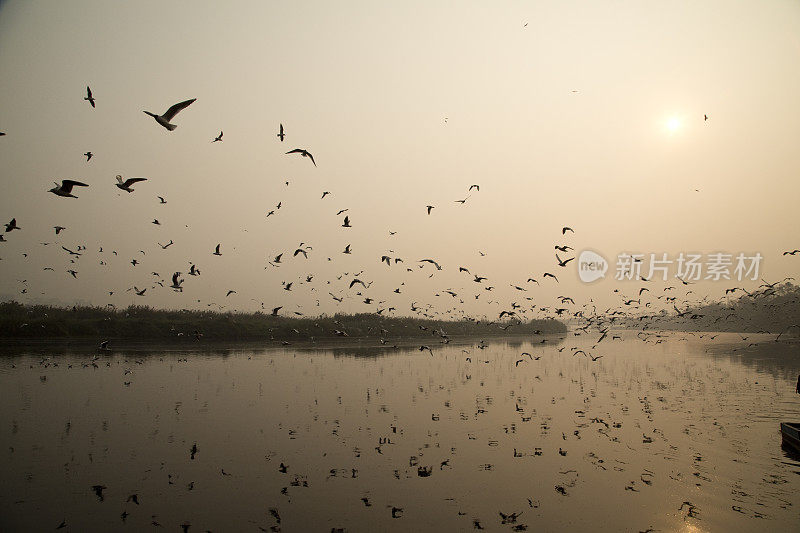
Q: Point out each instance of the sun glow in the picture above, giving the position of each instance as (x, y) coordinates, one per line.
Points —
(673, 124)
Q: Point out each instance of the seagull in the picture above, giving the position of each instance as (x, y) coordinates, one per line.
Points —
(324, 193)
(11, 226)
(126, 185)
(564, 262)
(793, 252)
(176, 282)
(170, 114)
(89, 98)
(304, 153)
(564, 230)
(161, 200)
(429, 207)
(477, 187)
(276, 309)
(65, 189)
(431, 261)
(218, 138)
(705, 117)
(281, 134)
(346, 223)
(546, 274)
(70, 251)
(216, 251)
(346, 249)
(59, 229)
(88, 155)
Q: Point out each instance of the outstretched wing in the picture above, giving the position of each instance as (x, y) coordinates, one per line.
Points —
(174, 110)
(67, 185)
(131, 181)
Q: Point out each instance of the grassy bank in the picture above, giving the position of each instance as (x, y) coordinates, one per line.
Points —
(47, 322)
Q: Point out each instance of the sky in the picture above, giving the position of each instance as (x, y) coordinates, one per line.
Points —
(581, 114)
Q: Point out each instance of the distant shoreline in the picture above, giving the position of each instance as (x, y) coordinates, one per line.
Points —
(48, 323)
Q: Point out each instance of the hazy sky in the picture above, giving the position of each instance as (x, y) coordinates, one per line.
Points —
(580, 114)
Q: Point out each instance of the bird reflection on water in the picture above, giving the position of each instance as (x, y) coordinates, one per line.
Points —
(216, 436)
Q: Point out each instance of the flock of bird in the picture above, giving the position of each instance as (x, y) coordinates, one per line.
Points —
(644, 312)
(521, 308)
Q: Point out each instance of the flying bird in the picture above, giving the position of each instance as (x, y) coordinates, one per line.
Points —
(161, 200)
(476, 187)
(432, 262)
(429, 207)
(59, 229)
(548, 274)
(304, 153)
(564, 262)
(89, 98)
(65, 189)
(216, 250)
(126, 184)
(88, 155)
(564, 230)
(170, 113)
(218, 138)
(281, 134)
(11, 226)
(346, 223)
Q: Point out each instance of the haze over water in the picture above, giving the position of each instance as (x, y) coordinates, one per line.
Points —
(643, 429)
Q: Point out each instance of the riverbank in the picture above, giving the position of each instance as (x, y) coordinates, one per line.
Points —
(19, 321)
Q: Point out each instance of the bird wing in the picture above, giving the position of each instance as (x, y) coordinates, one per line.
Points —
(312, 158)
(131, 181)
(295, 151)
(174, 110)
(67, 185)
(88, 92)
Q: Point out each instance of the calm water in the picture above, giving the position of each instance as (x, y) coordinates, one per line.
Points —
(398, 440)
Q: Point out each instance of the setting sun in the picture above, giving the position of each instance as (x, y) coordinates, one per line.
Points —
(673, 124)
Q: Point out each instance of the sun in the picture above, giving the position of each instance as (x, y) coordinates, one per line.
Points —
(673, 124)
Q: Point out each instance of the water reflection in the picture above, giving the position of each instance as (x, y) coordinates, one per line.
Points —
(680, 434)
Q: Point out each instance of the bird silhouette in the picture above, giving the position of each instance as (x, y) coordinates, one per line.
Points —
(126, 184)
(170, 113)
(280, 133)
(65, 189)
(304, 153)
(218, 138)
(89, 98)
